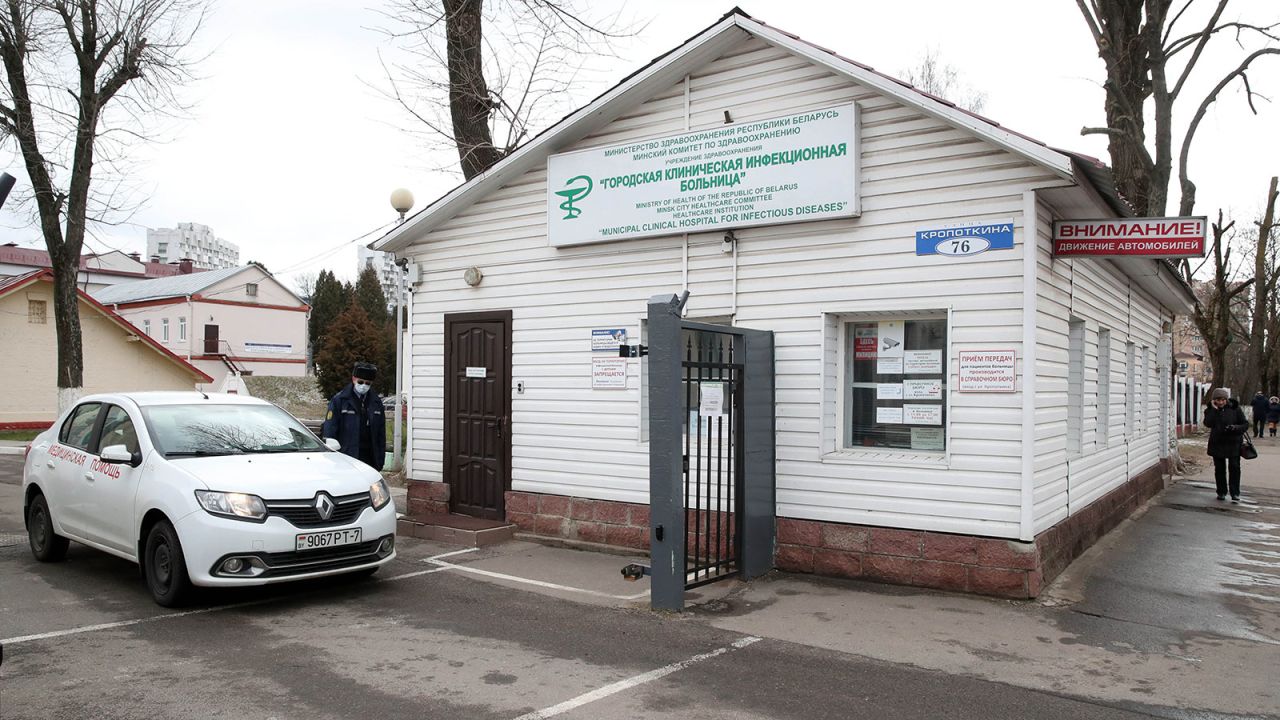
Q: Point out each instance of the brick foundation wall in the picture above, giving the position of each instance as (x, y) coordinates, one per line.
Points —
(596, 521)
(962, 563)
(427, 497)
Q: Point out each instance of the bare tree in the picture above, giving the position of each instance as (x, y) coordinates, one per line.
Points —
(943, 80)
(1214, 314)
(501, 68)
(1150, 62)
(305, 284)
(81, 77)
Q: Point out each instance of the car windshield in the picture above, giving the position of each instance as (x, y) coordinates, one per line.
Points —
(207, 429)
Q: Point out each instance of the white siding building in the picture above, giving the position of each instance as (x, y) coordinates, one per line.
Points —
(993, 492)
(192, 241)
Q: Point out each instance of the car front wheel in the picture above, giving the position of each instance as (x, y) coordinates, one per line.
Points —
(46, 545)
(164, 566)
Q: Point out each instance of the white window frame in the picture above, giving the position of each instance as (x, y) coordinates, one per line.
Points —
(164, 330)
(831, 434)
(146, 328)
(1104, 387)
(1077, 335)
(182, 329)
(1131, 398)
(1142, 426)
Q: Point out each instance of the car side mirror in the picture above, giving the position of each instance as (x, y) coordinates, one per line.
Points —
(332, 444)
(120, 455)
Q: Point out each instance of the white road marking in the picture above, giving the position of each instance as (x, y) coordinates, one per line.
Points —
(615, 688)
(125, 623)
(527, 581)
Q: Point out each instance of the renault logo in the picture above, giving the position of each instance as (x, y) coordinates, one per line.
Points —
(324, 506)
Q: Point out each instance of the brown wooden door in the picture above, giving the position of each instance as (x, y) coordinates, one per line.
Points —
(477, 412)
(211, 340)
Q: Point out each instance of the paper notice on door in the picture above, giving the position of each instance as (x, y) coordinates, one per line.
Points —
(476, 372)
(922, 414)
(889, 391)
(922, 389)
(888, 416)
(922, 362)
(889, 366)
(927, 439)
(711, 399)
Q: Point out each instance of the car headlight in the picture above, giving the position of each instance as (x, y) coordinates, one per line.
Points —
(379, 494)
(232, 504)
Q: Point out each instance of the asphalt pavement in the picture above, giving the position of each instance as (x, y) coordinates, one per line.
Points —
(1173, 615)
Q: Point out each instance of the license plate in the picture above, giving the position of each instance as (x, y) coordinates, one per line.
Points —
(332, 538)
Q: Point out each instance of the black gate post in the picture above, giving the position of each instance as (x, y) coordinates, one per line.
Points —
(759, 504)
(666, 456)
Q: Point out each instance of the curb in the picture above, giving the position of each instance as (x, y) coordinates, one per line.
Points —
(10, 450)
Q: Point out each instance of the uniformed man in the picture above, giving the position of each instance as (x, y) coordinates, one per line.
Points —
(355, 418)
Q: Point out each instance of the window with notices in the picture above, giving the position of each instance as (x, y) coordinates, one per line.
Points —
(894, 382)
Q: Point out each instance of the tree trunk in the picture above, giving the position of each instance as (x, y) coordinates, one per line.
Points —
(66, 304)
(469, 103)
(1263, 290)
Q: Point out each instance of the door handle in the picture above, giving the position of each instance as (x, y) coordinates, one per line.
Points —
(88, 476)
(49, 464)
(498, 424)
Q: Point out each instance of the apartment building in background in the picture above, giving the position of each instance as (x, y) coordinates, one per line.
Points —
(385, 264)
(194, 241)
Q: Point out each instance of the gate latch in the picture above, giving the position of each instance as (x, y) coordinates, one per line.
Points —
(630, 351)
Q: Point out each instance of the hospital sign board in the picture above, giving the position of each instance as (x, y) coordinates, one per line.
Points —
(793, 168)
(1162, 237)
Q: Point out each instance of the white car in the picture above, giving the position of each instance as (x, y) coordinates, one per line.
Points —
(211, 490)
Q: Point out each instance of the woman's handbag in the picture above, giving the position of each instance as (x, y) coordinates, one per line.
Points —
(1247, 450)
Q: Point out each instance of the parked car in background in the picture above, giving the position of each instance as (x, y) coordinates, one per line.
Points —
(207, 490)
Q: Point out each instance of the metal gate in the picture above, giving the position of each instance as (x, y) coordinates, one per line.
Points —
(713, 456)
(711, 452)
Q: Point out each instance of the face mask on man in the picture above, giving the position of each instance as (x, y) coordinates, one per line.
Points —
(361, 388)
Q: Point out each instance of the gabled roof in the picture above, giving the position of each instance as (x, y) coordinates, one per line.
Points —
(176, 286)
(663, 72)
(16, 283)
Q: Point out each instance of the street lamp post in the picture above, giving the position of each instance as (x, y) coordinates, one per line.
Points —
(402, 202)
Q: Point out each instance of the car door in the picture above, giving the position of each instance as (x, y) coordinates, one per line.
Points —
(113, 487)
(68, 463)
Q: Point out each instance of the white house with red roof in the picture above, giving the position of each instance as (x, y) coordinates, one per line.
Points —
(238, 319)
(117, 356)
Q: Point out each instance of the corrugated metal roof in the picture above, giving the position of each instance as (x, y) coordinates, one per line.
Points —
(176, 286)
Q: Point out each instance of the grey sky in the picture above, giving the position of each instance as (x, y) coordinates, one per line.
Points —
(289, 153)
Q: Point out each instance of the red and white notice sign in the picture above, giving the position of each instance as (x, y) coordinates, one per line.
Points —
(1175, 237)
(987, 371)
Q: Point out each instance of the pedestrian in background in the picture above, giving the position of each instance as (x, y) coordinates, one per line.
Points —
(1273, 415)
(355, 418)
(1227, 426)
(1259, 405)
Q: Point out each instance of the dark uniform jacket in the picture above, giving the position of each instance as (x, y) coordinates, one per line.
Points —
(358, 425)
(1226, 426)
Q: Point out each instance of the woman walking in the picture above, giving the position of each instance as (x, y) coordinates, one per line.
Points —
(1273, 415)
(1227, 426)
